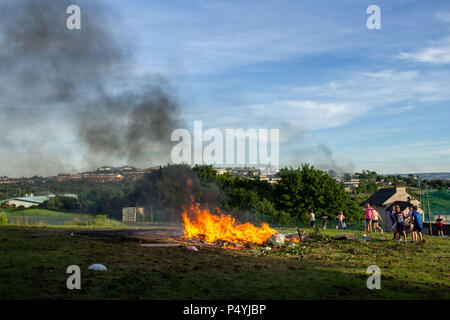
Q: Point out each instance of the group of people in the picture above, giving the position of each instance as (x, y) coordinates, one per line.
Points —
(340, 221)
(372, 219)
(400, 221)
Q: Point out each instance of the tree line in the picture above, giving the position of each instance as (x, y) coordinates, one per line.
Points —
(298, 192)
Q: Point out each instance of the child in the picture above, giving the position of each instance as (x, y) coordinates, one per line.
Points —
(417, 224)
(440, 226)
(392, 217)
(368, 212)
(410, 220)
(324, 218)
(340, 218)
(400, 226)
(312, 220)
(375, 217)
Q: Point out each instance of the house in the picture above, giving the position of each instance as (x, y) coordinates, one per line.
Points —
(384, 198)
(27, 202)
(351, 185)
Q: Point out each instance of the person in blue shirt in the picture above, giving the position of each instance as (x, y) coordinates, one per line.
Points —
(417, 224)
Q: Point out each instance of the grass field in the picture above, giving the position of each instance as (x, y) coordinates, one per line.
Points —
(39, 212)
(49, 218)
(33, 262)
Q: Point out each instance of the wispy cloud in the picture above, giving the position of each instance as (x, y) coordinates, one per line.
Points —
(438, 53)
(334, 104)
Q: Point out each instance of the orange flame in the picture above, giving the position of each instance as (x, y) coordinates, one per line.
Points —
(211, 227)
(294, 240)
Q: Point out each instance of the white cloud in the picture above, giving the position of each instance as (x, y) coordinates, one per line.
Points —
(336, 103)
(397, 110)
(439, 53)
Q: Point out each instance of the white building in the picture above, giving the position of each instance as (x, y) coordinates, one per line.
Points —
(27, 202)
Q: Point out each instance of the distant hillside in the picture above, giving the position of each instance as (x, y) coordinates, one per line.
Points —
(429, 175)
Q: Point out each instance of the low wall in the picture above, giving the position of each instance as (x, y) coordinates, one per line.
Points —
(426, 229)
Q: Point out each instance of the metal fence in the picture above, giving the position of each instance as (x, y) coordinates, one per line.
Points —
(438, 205)
(44, 220)
(36, 217)
(255, 219)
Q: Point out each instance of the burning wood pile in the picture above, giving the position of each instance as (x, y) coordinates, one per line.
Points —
(203, 227)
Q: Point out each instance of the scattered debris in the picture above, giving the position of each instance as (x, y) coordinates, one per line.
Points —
(305, 237)
(364, 238)
(344, 237)
(292, 237)
(276, 239)
(267, 248)
(97, 266)
(192, 248)
(172, 244)
(291, 245)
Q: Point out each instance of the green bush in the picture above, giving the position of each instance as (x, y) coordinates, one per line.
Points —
(3, 218)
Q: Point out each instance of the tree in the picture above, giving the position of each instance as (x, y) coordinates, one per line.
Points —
(265, 207)
(347, 177)
(307, 189)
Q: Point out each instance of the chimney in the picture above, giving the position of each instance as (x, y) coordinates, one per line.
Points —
(401, 187)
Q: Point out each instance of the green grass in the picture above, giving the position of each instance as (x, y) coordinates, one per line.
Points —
(40, 212)
(57, 219)
(33, 263)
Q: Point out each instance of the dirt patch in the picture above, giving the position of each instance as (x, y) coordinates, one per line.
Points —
(151, 236)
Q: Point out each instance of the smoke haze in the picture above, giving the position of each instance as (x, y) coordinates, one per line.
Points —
(59, 85)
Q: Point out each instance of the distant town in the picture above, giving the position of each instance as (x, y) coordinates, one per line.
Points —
(109, 174)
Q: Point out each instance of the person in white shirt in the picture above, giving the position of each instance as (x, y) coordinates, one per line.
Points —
(312, 220)
(375, 218)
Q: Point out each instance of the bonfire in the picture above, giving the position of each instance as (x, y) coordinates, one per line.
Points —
(204, 225)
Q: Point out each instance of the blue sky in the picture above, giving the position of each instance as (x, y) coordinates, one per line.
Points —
(378, 99)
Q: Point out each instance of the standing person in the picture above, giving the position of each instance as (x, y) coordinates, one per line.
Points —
(368, 212)
(417, 224)
(375, 218)
(400, 225)
(440, 226)
(312, 220)
(324, 218)
(340, 218)
(392, 217)
(410, 219)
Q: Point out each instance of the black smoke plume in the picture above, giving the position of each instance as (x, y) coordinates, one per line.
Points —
(58, 84)
(331, 164)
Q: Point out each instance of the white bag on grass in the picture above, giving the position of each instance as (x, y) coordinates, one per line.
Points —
(97, 266)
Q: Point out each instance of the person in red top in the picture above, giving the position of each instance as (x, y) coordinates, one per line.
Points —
(368, 212)
(440, 226)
